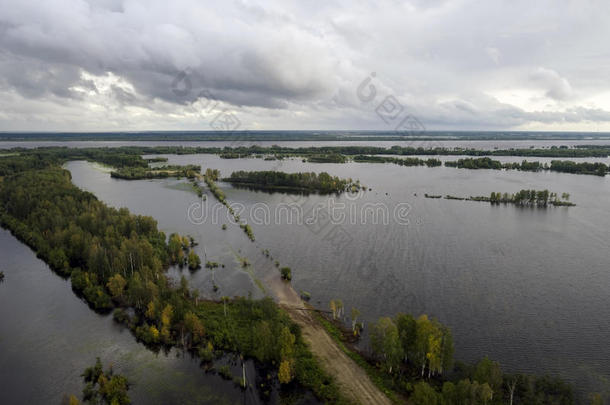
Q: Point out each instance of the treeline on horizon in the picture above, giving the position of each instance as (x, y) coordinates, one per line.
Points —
(112, 156)
(296, 135)
(129, 163)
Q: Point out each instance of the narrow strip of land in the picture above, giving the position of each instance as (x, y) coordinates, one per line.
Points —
(353, 381)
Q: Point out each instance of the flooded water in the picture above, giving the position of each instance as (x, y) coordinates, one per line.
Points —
(525, 286)
(528, 287)
(48, 336)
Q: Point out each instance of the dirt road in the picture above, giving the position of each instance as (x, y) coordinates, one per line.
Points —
(352, 380)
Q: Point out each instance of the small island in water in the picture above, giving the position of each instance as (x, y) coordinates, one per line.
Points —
(322, 183)
(523, 198)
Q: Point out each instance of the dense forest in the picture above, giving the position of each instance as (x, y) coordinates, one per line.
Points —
(563, 166)
(329, 158)
(118, 260)
(399, 161)
(480, 163)
(137, 173)
(567, 166)
(322, 183)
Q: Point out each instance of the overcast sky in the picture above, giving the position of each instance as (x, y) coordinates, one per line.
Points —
(190, 64)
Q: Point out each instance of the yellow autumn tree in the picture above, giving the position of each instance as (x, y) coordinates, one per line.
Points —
(286, 344)
(73, 400)
(166, 316)
(285, 372)
(151, 310)
(166, 322)
(194, 325)
(154, 333)
(434, 352)
(116, 284)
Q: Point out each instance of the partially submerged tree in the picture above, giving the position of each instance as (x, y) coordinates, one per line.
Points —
(105, 387)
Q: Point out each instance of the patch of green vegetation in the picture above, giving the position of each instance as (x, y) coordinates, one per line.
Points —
(248, 230)
(138, 173)
(211, 176)
(378, 378)
(103, 387)
(399, 161)
(327, 158)
(524, 198)
(297, 182)
(286, 273)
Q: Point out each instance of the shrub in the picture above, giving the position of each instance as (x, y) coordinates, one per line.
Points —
(286, 273)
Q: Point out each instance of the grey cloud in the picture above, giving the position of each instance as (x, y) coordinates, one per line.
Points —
(286, 64)
(556, 87)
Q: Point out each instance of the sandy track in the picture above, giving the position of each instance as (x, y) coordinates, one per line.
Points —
(352, 380)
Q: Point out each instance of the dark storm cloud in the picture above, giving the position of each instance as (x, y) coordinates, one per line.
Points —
(461, 63)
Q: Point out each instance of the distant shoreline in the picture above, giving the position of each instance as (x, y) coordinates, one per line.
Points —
(384, 135)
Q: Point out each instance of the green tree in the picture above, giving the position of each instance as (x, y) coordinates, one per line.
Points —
(386, 343)
(174, 248)
(447, 349)
(487, 371)
(194, 326)
(286, 273)
(264, 342)
(425, 332)
(105, 387)
(424, 394)
(194, 261)
(116, 284)
(407, 333)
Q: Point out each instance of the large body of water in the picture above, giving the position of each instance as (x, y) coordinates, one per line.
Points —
(48, 336)
(525, 286)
